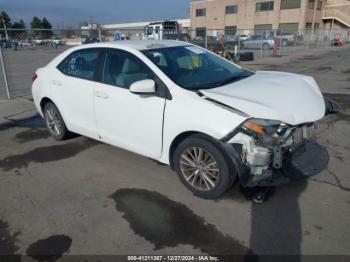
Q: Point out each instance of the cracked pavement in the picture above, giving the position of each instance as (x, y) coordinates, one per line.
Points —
(85, 197)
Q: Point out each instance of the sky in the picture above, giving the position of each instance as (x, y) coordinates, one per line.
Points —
(63, 13)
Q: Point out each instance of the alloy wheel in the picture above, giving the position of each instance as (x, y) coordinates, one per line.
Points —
(199, 168)
(53, 121)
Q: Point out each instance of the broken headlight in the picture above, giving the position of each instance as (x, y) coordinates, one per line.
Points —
(267, 132)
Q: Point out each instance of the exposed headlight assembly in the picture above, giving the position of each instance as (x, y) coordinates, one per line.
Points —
(267, 132)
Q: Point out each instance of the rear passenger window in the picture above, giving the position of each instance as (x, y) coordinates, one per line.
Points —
(81, 64)
(122, 69)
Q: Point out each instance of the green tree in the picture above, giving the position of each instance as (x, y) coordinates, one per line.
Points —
(18, 31)
(5, 18)
(19, 25)
(36, 23)
(45, 24)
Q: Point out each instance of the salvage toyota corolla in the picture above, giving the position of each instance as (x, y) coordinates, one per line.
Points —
(209, 119)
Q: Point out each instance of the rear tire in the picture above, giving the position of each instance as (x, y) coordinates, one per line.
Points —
(203, 168)
(266, 46)
(54, 122)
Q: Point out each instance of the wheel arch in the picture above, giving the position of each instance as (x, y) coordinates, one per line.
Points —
(177, 140)
(44, 101)
(231, 153)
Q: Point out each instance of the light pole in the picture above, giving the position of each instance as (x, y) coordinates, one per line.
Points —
(3, 22)
(313, 19)
(314, 16)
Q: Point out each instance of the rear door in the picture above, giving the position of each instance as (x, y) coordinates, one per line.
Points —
(128, 120)
(73, 90)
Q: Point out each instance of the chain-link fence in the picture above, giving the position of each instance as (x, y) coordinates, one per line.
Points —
(23, 51)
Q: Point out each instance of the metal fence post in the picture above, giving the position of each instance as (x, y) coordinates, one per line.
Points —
(281, 44)
(239, 45)
(4, 73)
(99, 34)
(206, 39)
(261, 46)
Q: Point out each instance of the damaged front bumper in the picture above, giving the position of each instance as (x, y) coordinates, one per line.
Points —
(295, 156)
(308, 159)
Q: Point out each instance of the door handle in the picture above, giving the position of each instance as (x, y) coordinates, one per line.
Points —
(56, 82)
(101, 94)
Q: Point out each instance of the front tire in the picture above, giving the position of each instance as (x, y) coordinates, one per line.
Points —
(203, 168)
(54, 122)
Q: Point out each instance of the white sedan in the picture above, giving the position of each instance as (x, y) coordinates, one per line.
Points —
(209, 119)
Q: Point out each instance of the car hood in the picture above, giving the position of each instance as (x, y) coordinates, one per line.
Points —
(290, 98)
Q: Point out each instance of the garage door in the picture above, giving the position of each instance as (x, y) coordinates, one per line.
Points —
(262, 29)
(288, 27)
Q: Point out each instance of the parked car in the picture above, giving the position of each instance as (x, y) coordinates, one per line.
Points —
(230, 38)
(286, 38)
(57, 41)
(337, 42)
(5, 43)
(243, 37)
(10, 43)
(257, 42)
(91, 40)
(40, 41)
(212, 43)
(210, 120)
(24, 43)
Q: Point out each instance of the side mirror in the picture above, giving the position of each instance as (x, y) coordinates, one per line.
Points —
(147, 86)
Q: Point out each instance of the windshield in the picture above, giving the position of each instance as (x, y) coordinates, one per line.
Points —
(194, 68)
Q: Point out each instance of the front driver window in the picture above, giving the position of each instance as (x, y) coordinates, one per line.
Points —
(122, 69)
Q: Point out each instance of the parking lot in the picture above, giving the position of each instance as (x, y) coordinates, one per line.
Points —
(81, 197)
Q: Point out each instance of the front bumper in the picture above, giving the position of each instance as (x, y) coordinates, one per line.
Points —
(308, 159)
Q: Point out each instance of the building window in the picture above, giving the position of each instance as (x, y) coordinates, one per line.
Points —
(310, 4)
(201, 12)
(230, 30)
(231, 9)
(201, 32)
(290, 4)
(264, 6)
(309, 26)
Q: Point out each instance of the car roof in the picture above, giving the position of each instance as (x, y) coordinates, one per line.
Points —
(139, 44)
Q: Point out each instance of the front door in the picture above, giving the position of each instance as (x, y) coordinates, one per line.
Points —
(128, 120)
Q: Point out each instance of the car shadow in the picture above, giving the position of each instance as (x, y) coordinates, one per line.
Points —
(276, 224)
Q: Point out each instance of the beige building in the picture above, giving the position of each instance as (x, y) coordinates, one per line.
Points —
(286, 15)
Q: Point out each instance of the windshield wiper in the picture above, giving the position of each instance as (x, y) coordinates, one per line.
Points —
(198, 87)
(217, 84)
(221, 82)
(232, 79)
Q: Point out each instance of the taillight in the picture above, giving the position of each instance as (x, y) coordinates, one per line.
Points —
(34, 77)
